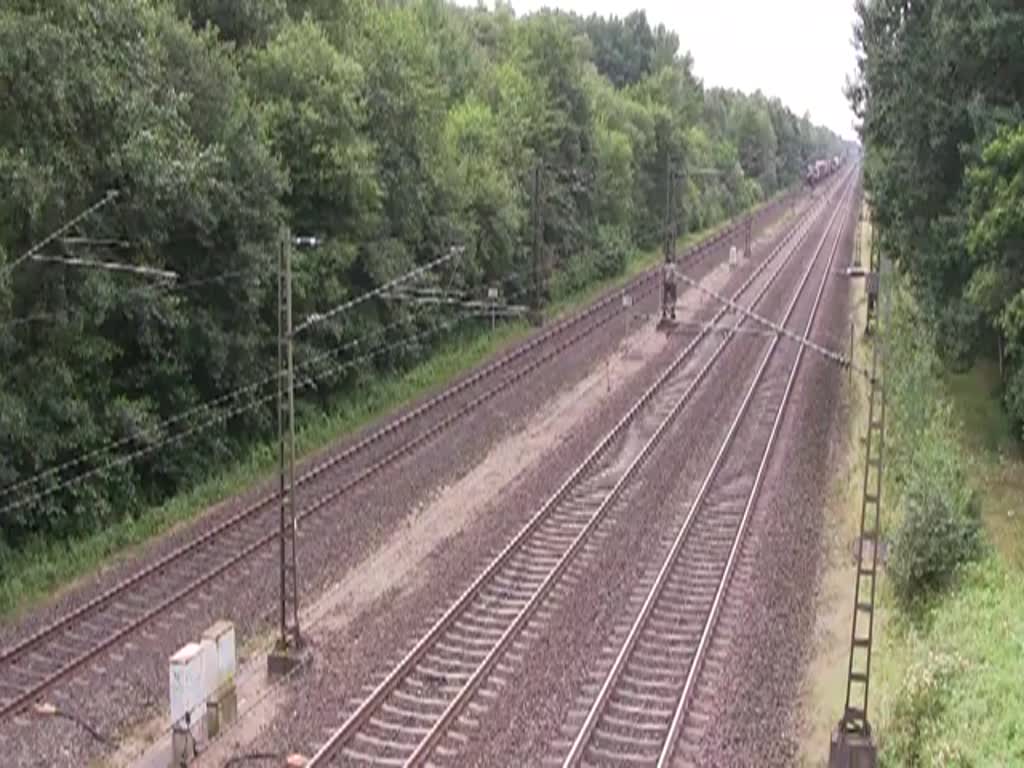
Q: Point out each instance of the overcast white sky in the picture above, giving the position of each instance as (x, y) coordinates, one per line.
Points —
(798, 50)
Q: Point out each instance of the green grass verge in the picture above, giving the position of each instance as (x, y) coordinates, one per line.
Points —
(998, 458)
(561, 306)
(975, 395)
(951, 692)
(950, 678)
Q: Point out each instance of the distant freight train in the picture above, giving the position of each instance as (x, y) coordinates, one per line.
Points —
(822, 169)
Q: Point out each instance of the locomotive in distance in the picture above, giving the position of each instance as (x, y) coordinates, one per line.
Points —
(822, 169)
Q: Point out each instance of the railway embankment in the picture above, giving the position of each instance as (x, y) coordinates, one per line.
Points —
(948, 660)
(951, 662)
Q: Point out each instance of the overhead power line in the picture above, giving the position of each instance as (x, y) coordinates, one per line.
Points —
(467, 309)
(835, 357)
(38, 317)
(194, 411)
(199, 282)
(122, 442)
(209, 404)
(106, 200)
(130, 457)
(224, 415)
(96, 242)
(468, 304)
(320, 317)
(148, 291)
(109, 266)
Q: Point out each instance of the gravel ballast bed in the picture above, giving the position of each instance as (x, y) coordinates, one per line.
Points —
(767, 628)
(354, 662)
(534, 720)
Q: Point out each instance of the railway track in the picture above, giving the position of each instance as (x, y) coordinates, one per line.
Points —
(409, 716)
(639, 714)
(36, 663)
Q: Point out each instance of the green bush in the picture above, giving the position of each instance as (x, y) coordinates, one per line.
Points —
(932, 540)
(1014, 398)
(957, 334)
(612, 251)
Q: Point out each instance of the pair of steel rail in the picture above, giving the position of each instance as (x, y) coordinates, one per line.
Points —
(410, 713)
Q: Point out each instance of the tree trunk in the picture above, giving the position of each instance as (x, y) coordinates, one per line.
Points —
(999, 345)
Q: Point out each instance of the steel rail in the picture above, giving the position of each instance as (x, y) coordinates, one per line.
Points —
(340, 737)
(644, 282)
(709, 628)
(586, 731)
(409, 446)
(455, 707)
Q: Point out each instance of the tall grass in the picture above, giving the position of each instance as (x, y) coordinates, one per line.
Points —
(933, 511)
(952, 656)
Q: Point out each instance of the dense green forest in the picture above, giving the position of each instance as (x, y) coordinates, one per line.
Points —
(940, 90)
(392, 131)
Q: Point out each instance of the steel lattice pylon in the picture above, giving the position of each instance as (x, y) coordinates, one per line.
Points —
(852, 743)
(861, 632)
(290, 637)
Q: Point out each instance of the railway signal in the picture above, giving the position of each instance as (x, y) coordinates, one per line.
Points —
(673, 175)
(73, 242)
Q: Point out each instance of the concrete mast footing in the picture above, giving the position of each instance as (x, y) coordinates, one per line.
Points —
(284, 661)
(852, 750)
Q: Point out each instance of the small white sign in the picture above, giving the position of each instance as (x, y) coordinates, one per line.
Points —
(492, 293)
(627, 300)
